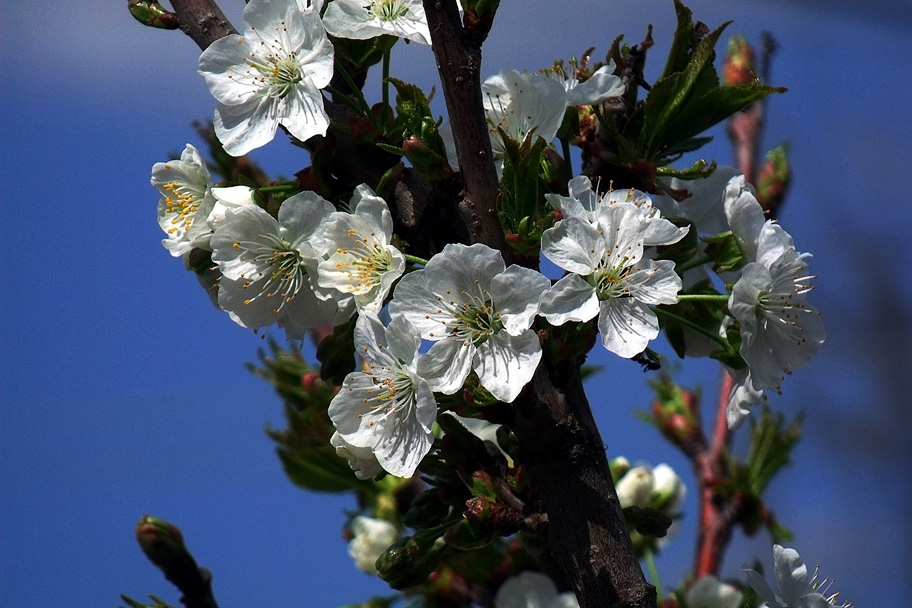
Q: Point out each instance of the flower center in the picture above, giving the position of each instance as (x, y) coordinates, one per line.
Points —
(387, 10)
(368, 261)
(476, 320)
(281, 264)
(280, 75)
(182, 201)
(396, 390)
(609, 280)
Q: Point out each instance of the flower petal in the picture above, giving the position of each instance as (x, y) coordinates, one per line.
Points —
(570, 299)
(506, 363)
(627, 326)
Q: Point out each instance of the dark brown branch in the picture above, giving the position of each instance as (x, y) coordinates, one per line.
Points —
(566, 460)
(561, 446)
(202, 20)
(458, 61)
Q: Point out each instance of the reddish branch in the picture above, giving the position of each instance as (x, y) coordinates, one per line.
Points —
(718, 514)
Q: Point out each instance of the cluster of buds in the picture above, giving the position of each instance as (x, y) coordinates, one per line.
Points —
(651, 498)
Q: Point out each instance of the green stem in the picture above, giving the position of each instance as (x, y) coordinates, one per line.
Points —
(703, 297)
(356, 91)
(694, 326)
(568, 164)
(293, 187)
(693, 263)
(654, 575)
(346, 100)
(414, 259)
(386, 84)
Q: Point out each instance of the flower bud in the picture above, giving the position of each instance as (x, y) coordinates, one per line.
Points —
(151, 13)
(675, 413)
(465, 536)
(409, 561)
(634, 489)
(372, 537)
(161, 541)
(773, 179)
(619, 467)
(738, 65)
(668, 491)
(709, 592)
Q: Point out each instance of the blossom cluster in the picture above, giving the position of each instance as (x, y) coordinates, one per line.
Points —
(312, 265)
(427, 328)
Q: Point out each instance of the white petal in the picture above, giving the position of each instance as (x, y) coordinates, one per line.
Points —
(413, 300)
(463, 267)
(245, 127)
(302, 112)
(516, 293)
(627, 326)
(527, 590)
(601, 85)
(570, 299)
(446, 365)
(506, 363)
(657, 284)
(403, 339)
(361, 460)
(574, 245)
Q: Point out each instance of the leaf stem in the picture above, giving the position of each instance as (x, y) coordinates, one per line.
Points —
(694, 326)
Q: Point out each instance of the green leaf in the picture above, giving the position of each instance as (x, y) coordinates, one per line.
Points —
(685, 39)
(670, 93)
(319, 472)
(714, 106)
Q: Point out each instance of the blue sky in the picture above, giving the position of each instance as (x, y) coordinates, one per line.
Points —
(123, 391)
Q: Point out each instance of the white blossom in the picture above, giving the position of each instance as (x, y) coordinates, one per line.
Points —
(532, 590)
(704, 204)
(387, 407)
(586, 203)
(362, 263)
(709, 592)
(364, 19)
(520, 103)
(361, 460)
(780, 331)
(372, 537)
(271, 75)
(186, 200)
(601, 85)
(268, 266)
(478, 315)
(609, 277)
(794, 589)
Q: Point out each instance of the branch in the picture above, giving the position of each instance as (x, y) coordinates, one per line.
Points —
(566, 460)
(458, 61)
(163, 544)
(717, 515)
(202, 20)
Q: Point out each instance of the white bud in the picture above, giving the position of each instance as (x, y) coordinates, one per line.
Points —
(372, 538)
(635, 488)
(710, 592)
